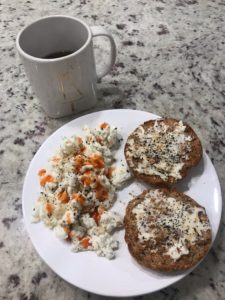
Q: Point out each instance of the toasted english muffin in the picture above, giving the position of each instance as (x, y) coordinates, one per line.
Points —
(162, 151)
(166, 230)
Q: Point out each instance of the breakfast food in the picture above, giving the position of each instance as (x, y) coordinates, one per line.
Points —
(166, 230)
(77, 189)
(162, 151)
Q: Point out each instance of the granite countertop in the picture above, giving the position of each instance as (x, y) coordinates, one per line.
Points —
(170, 61)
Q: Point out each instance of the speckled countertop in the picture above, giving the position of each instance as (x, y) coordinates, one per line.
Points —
(171, 61)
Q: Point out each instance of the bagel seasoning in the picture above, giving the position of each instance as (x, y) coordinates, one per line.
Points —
(173, 215)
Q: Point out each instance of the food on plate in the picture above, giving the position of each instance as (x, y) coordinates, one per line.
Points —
(77, 189)
(166, 230)
(162, 151)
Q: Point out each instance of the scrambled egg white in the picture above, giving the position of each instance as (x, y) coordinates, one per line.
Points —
(78, 188)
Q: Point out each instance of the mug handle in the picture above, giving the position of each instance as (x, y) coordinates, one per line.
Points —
(101, 31)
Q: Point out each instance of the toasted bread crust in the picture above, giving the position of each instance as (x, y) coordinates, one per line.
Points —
(153, 255)
(194, 153)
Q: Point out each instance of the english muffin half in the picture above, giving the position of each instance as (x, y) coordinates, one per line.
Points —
(166, 230)
(162, 151)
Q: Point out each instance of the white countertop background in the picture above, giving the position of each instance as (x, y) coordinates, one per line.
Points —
(170, 61)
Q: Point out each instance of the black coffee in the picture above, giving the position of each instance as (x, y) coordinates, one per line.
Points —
(58, 54)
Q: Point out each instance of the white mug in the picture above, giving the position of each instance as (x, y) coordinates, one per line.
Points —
(64, 85)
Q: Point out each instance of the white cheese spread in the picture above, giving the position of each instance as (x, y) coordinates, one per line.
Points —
(158, 150)
(180, 220)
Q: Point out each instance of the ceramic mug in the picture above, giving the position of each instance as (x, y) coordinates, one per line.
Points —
(57, 53)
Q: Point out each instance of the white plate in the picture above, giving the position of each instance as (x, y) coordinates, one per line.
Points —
(122, 276)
